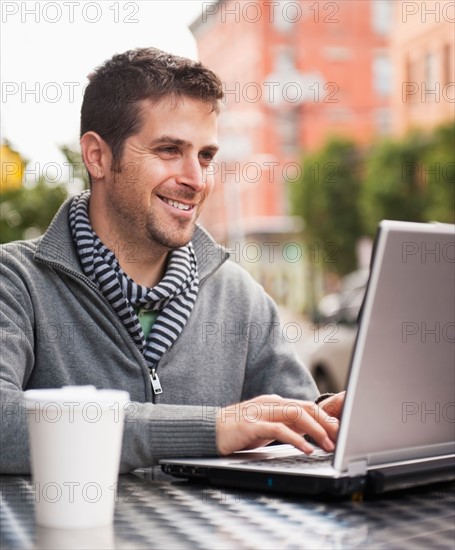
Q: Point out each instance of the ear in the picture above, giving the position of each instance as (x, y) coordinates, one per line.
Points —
(96, 155)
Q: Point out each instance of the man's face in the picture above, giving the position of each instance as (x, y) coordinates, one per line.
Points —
(165, 174)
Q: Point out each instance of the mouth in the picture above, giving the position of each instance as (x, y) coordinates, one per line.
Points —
(181, 206)
(178, 208)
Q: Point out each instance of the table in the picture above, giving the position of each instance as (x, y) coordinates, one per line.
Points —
(156, 511)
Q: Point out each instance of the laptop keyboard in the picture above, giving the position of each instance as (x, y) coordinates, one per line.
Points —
(322, 459)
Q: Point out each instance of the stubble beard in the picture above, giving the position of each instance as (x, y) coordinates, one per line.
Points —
(158, 235)
(154, 235)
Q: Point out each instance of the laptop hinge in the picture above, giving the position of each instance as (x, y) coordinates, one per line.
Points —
(357, 468)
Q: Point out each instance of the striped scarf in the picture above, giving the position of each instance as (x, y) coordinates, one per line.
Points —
(174, 296)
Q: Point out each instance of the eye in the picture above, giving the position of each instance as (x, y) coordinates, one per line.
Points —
(206, 156)
(168, 150)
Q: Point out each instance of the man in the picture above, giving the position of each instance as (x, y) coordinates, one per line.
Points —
(125, 291)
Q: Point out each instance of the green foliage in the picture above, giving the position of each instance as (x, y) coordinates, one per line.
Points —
(344, 193)
(26, 212)
(327, 197)
(74, 158)
(392, 188)
(411, 179)
(438, 172)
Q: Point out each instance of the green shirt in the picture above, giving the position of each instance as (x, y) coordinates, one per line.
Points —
(146, 318)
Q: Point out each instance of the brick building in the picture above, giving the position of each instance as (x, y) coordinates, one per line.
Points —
(294, 73)
(422, 53)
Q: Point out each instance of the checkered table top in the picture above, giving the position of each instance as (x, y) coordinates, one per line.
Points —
(154, 511)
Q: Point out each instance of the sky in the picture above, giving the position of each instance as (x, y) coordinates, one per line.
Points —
(47, 50)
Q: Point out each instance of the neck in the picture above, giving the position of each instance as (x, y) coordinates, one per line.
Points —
(145, 264)
(145, 273)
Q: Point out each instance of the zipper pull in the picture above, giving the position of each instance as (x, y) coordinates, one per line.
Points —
(156, 385)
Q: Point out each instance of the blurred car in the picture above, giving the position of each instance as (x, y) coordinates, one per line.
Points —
(327, 352)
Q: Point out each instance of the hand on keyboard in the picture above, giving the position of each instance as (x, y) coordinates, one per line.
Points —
(259, 421)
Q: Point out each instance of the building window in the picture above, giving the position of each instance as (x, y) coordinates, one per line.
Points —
(408, 70)
(382, 75)
(431, 69)
(446, 64)
(285, 16)
(337, 53)
(287, 127)
(284, 62)
(381, 16)
(383, 121)
(339, 114)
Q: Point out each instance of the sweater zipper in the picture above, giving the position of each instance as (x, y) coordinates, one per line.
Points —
(156, 384)
(155, 381)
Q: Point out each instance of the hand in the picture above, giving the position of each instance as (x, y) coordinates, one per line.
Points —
(333, 405)
(268, 418)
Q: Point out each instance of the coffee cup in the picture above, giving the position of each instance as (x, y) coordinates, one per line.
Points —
(75, 435)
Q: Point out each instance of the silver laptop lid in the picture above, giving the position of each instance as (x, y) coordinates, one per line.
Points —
(400, 394)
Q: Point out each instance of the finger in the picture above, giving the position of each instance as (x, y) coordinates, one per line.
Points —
(330, 423)
(308, 424)
(284, 434)
(304, 417)
(301, 416)
(334, 404)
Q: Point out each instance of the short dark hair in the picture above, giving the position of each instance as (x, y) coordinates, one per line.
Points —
(111, 104)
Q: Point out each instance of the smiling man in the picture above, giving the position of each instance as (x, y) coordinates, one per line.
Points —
(165, 164)
(121, 290)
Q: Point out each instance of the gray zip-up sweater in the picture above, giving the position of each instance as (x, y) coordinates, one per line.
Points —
(57, 329)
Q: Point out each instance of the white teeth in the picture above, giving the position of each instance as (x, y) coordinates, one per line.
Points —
(178, 205)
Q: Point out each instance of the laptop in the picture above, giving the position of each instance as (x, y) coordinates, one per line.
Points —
(397, 427)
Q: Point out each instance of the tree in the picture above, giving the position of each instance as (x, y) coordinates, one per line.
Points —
(411, 179)
(438, 172)
(74, 159)
(26, 213)
(327, 198)
(26, 210)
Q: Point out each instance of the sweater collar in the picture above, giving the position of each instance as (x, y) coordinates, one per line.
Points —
(57, 247)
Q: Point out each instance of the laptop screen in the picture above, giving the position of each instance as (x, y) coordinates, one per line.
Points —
(400, 394)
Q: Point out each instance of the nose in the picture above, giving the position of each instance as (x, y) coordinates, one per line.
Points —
(192, 173)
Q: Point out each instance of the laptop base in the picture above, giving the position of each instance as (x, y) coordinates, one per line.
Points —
(269, 481)
(398, 478)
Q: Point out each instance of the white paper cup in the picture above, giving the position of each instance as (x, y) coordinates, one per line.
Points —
(75, 444)
(95, 538)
